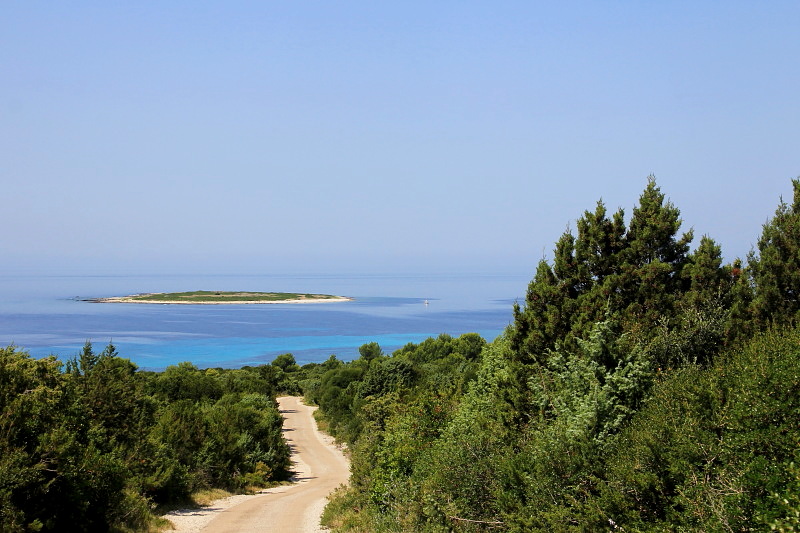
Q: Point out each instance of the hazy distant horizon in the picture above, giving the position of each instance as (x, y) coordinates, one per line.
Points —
(289, 137)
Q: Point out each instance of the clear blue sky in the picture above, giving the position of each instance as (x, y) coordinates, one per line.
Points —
(381, 136)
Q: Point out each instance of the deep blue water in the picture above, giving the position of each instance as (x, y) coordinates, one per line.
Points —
(42, 314)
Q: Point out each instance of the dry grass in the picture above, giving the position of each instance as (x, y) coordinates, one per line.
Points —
(204, 498)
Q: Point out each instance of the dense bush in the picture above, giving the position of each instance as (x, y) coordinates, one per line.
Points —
(92, 445)
(642, 386)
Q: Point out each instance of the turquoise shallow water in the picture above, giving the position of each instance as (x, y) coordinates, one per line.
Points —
(44, 315)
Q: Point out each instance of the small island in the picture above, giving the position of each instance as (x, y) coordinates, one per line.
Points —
(221, 297)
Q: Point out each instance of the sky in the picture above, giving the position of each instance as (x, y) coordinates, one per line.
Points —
(279, 137)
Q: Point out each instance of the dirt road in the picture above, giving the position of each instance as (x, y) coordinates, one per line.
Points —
(319, 468)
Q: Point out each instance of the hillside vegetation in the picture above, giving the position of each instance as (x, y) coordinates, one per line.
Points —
(96, 445)
(643, 385)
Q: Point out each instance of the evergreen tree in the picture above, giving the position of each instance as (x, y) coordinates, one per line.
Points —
(82, 364)
(537, 326)
(370, 351)
(654, 260)
(739, 323)
(600, 240)
(631, 277)
(776, 270)
(705, 278)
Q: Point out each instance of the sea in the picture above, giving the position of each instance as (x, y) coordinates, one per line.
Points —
(48, 315)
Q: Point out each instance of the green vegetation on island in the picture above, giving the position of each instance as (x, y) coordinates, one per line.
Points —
(221, 297)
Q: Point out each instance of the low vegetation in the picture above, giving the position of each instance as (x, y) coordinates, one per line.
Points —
(97, 445)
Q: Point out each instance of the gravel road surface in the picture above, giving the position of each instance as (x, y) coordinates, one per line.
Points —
(319, 468)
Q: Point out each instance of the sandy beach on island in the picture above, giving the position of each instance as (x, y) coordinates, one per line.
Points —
(131, 300)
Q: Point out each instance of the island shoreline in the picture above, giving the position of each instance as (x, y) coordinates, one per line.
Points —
(142, 299)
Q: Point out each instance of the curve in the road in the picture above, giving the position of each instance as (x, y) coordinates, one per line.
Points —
(319, 469)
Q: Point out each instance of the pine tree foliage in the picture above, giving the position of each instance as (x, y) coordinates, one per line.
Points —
(775, 270)
(713, 449)
(628, 394)
(706, 278)
(597, 389)
(630, 275)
